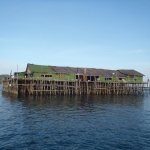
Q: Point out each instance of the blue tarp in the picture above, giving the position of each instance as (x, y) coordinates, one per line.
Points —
(106, 76)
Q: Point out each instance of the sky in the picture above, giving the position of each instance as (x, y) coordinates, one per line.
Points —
(79, 33)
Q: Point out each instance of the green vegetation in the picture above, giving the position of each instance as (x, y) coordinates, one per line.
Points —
(3, 76)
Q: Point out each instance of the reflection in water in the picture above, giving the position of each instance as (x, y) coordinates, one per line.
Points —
(75, 122)
(71, 101)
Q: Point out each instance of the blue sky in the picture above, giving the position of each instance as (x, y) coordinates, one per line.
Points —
(80, 33)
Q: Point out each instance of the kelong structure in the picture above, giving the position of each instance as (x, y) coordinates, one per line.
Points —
(56, 80)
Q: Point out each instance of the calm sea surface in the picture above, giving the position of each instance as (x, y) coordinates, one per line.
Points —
(75, 122)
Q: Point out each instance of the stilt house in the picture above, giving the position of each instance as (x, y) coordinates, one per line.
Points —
(82, 74)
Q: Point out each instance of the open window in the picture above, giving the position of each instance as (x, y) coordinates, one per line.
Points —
(49, 75)
(92, 78)
(121, 78)
(77, 77)
(87, 78)
(46, 75)
(80, 77)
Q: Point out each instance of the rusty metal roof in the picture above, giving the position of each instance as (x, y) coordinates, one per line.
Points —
(95, 72)
(81, 71)
(86, 71)
(129, 72)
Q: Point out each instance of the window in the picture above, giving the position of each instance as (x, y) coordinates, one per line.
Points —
(108, 78)
(60, 75)
(121, 78)
(46, 75)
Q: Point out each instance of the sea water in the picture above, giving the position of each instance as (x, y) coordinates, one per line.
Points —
(75, 122)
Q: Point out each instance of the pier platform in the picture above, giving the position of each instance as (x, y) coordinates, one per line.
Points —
(31, 86)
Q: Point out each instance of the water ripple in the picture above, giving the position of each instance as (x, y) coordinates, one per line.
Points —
(86, 122)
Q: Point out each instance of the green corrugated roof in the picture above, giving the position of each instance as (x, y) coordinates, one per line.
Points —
(21, 74)
(40, 68)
